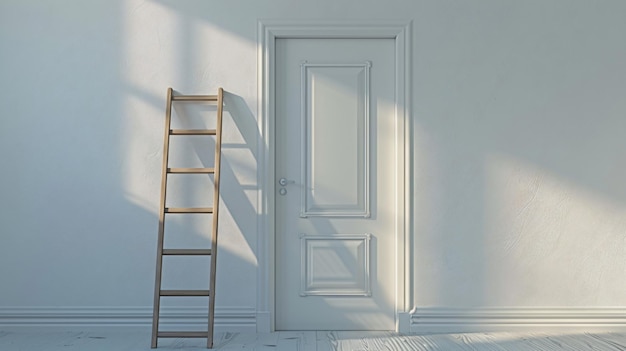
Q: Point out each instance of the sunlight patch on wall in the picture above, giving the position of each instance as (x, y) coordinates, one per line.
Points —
(164, 46)
(150, 53)
(548, 236)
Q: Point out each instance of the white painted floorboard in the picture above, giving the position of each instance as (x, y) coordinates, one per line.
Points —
(314, 341)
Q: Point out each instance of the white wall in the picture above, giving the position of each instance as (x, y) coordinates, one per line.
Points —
(519, 159)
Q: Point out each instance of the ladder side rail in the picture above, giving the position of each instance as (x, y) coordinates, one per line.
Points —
(216, 199)
(161, 235)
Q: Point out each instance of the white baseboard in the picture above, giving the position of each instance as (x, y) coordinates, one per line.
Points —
(235, 319)
(403, 323)
(248, 320)
(459, 320)
(263, 322)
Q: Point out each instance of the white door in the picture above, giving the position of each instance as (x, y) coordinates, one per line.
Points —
(335, 174)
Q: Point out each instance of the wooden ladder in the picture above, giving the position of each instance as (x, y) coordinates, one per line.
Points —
(158, 292)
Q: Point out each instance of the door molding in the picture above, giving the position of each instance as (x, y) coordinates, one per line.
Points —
(268, 32)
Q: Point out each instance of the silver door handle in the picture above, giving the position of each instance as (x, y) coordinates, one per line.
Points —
(285, 181)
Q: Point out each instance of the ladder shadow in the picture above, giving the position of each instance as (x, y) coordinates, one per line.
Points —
(238, 186)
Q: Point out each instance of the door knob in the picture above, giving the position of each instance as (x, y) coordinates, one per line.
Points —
(285, 181)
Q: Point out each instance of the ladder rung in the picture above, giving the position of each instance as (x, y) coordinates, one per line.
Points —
(189, 210)
(191, 170)
(193, 132)
(184, 293)
(194, 98)
(165, 334)
(183, 252)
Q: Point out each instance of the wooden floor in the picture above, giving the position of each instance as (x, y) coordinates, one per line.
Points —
(314, 341)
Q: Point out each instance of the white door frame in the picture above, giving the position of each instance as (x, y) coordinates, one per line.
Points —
(268, 32)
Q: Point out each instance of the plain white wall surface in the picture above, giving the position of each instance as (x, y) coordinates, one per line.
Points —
(519, 159)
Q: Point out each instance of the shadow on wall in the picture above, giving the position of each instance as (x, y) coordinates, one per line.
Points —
(238, 188)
